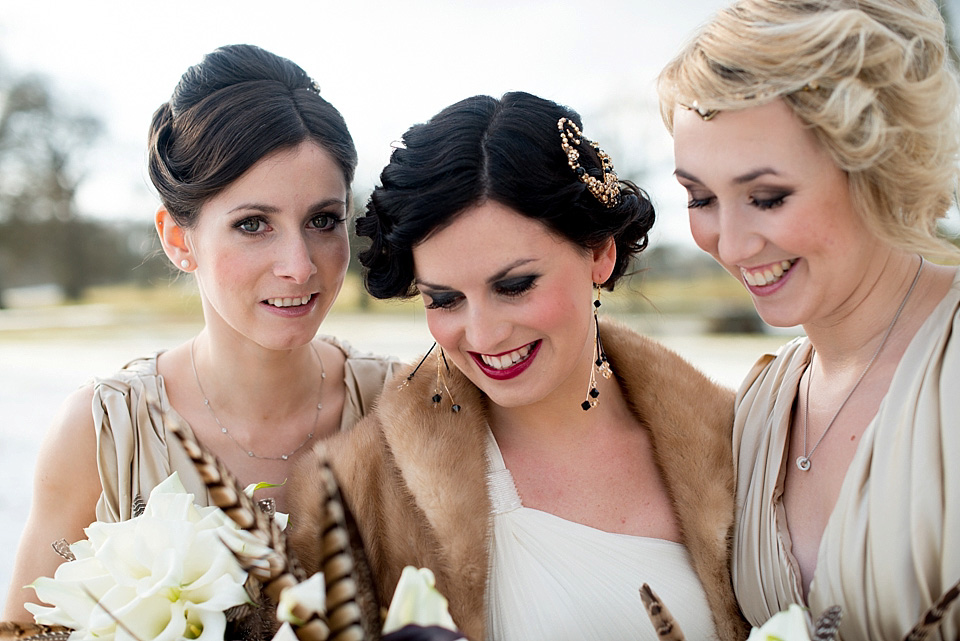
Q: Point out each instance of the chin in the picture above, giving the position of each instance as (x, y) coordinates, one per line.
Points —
(777, 320)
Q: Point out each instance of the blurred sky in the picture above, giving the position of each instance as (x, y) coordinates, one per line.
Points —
(385, 64)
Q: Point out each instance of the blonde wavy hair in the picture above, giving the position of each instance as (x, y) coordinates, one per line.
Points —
(872, 79)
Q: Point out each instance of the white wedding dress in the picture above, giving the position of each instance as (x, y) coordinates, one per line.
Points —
(553, 579)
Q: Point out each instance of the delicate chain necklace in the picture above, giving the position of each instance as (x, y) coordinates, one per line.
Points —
(803, 462)
(282, 457)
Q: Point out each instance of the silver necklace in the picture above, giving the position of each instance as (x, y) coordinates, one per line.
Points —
(803, 462)
(223, 430)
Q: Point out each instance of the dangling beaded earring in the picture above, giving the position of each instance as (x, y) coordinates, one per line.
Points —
(600, 363)
(441, 380)
(416, 369)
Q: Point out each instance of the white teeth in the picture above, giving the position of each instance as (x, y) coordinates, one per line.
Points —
(507, 360)
(769, 275)
(288, 302)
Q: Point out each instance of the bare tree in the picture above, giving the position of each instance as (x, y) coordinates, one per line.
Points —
(42, 144)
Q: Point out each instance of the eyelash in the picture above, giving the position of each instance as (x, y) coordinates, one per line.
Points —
(516, 286)
(763, 204)
(698, 203)
(512, 288)
(769, 203)
(439, 301)
(336, 222)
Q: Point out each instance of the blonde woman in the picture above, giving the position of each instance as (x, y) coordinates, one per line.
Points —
(818, 141)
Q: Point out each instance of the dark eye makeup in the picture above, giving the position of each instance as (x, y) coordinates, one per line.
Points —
(516, 286)
(507, 287)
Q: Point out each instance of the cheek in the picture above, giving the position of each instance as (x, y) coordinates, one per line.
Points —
(333, 255)
(703, 232)
(229, 270)
(443, 329)
(562, 310)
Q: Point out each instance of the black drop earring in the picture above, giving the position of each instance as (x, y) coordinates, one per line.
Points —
(600, 363)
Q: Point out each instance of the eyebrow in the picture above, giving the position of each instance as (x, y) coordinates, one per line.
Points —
(500, 274)
(738, 180)
(271, 209)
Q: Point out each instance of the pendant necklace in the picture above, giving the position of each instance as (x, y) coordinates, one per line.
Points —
(250, 453)
(803, 462)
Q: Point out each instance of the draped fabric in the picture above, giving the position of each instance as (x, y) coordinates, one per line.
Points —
(586, 581)
(136, 450)
(891, 546)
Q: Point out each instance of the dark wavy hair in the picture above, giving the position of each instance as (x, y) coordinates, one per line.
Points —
(484, 149)
(237, 105)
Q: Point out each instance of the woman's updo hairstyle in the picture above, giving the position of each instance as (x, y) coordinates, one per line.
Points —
(871, 78)
(507, 151)
(239, 104)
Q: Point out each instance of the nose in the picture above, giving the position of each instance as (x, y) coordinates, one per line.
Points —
(487, 328)
(737, 241)
(294, 261)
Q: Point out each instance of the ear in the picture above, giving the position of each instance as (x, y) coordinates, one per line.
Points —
(173, 241)
(604, 260)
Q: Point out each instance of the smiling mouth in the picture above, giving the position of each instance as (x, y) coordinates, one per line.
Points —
(769, 275)
(509, 359)
(296, 301)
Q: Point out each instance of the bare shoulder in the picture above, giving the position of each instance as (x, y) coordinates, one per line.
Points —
(67, 457)
(66, 488)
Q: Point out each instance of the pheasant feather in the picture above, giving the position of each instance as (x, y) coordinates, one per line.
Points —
(663, 622)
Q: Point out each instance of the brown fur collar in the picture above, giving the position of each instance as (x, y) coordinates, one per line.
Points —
(415, 476)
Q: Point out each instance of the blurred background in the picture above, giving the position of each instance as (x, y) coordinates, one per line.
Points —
(83, 286)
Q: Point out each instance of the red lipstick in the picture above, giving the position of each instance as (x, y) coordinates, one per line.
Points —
(511, 372)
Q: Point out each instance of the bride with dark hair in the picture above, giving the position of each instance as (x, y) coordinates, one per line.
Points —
(543, 463)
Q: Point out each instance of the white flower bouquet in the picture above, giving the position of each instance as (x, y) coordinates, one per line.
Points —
(172, 573)
(167, 574)
(179, 571)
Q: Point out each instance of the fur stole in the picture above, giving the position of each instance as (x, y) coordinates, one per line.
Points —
(414, 477)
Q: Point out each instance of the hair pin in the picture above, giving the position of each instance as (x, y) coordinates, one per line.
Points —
(607, 191)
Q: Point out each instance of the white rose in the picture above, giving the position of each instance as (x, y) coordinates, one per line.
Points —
(164, 575)
(791, 624)
(417, 601)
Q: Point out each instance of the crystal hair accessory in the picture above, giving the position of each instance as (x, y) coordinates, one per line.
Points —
(705, 114)
(708, 114)
(607, 191)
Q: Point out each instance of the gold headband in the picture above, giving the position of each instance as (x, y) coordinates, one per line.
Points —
(607, 191)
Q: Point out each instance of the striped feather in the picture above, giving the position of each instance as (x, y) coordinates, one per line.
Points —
(351, 618)
(278, 568)
(139, 506)
(663, 622)
(10, 631)
(828, 623)
(225, 490)
(930, 620)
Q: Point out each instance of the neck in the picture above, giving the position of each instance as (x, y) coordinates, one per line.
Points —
(559, 418)
(850, 338)
(239, 378)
